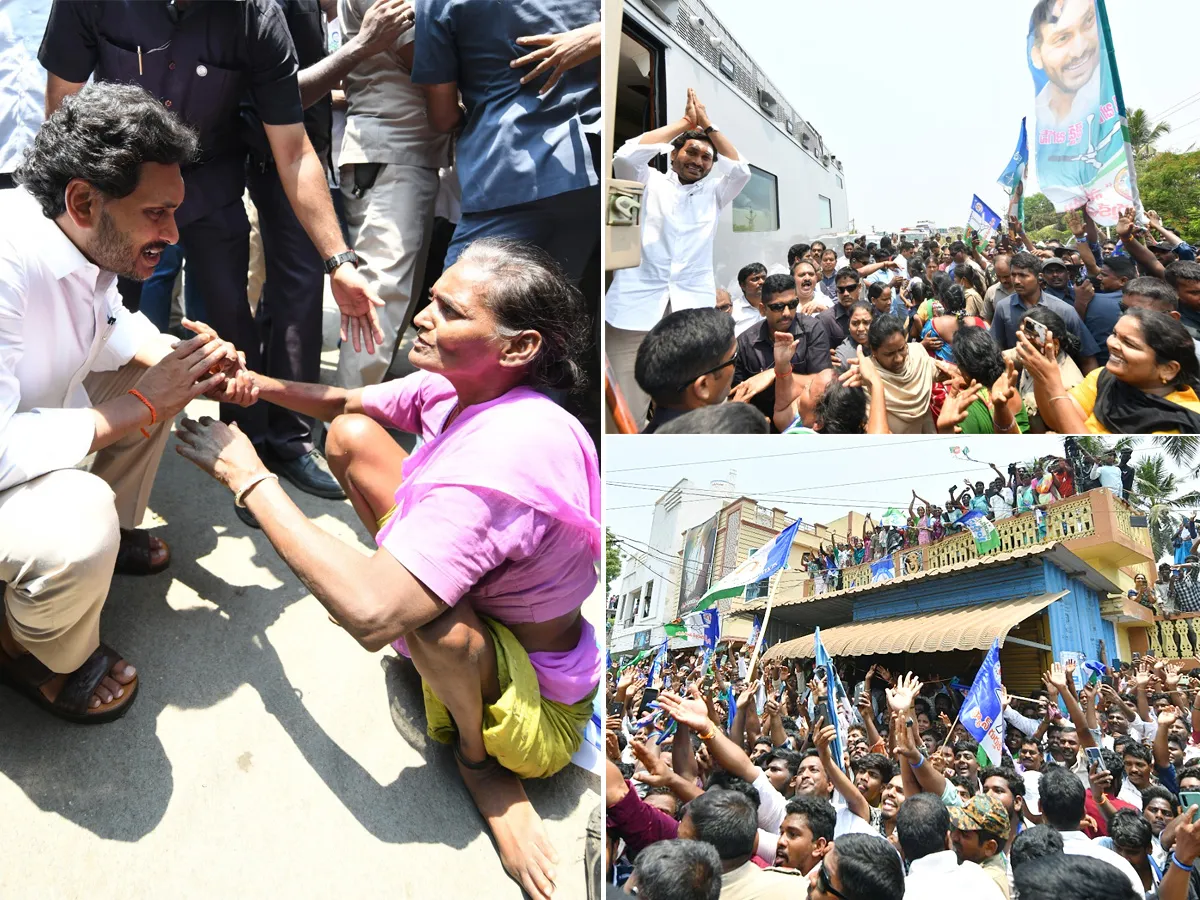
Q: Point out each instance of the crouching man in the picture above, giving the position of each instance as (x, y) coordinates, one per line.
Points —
(80, 374)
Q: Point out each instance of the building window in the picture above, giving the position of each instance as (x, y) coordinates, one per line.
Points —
(646, 599)
(841, 186)
(759, 589)
(825, 213)
(764, 516)
(728, 67)
(756, 208)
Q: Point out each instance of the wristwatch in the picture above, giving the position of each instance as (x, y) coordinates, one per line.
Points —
(710, 129)
(349, 256)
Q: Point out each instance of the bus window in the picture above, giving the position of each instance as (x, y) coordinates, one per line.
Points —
(756, 208)
(825, 211)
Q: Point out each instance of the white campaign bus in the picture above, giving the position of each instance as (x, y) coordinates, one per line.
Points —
(797, 192)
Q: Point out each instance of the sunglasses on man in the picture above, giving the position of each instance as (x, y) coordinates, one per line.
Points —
(847, 288)
(714, 370)
(825, 887)
(780, 307)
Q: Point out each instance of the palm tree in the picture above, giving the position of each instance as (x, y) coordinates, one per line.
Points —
(1155, 489)
(1143, 135)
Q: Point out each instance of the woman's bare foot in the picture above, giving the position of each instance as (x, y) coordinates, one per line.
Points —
(110, 688)
(525, 850)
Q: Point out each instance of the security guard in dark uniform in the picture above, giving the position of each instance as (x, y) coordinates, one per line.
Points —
(202, 58)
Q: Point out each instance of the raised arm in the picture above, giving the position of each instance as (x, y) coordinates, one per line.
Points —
(720, 141)
(1079, 229)
(692, 712)
(382, 24)
(1145, 259)
(855, 801)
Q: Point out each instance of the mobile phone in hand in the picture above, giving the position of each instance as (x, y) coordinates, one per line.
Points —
(1191, 798)
(1094, 758)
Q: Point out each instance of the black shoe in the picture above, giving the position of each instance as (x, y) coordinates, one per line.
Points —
(246, 516)
(311, 474)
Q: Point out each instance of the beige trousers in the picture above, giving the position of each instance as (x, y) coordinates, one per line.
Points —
(61, 535)
(390, 229)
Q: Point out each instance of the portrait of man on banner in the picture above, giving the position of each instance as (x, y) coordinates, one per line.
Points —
(1078, 134)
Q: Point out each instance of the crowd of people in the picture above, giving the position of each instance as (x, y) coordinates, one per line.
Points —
(164, 123)
(995, 336)
(724, 782)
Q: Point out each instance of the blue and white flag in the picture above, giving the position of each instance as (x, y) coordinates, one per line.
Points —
(712, 634)
(763, 563)
(981, 713)
(655, 667)
(982, 219)
(883, 570)
(753, 636)
(730, 707)
(832, 685)
(1013, 178)
(987, 538)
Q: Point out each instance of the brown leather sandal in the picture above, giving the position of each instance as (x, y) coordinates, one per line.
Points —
(135, 554)
(26, 674)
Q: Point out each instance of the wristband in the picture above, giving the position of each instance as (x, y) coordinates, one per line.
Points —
(149, 406)
(920, 762)
(1060, 397)
(1175, 862)
(712, 733)
(239, 500)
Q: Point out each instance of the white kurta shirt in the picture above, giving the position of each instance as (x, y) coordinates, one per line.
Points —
(679, 222)
(60, 319)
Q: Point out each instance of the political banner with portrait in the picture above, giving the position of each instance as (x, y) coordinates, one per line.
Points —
(698, 545)
(983, 220)
(1080, 132)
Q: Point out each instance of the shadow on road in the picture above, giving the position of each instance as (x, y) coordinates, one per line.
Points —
(116, 780)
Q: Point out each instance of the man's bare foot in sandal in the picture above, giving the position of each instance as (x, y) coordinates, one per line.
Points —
(525, 850)
(111, 691)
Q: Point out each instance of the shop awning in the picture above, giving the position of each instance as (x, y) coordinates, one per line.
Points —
(964, 628)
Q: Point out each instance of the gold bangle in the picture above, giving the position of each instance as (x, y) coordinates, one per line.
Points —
(712, 733)
(1060, 397)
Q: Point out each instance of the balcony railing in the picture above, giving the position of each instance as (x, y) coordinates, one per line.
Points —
(1065, 520)
(1175, 638)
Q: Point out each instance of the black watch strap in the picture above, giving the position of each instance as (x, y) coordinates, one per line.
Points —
(334, 261)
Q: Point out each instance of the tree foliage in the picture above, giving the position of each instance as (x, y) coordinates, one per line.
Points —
(612, 559)
(1169, 183)
(1143, 133)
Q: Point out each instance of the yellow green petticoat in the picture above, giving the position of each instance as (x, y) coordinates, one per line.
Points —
(528, 734)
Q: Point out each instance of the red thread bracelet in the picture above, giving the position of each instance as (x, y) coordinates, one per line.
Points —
(149, 406)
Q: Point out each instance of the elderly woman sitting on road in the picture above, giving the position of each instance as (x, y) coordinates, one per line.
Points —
(488, 534)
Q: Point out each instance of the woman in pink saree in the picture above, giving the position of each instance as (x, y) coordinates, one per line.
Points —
(488, 535)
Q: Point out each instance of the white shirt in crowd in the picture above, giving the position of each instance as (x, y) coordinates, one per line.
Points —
(679, 222)
(936, 873)
(745, 316)
(1079, 844)
(61, 318)
(22, 78)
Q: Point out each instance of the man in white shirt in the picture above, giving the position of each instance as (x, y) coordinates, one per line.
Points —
(1062, 797)
(923, 831)
(680, 211)
(80, 374)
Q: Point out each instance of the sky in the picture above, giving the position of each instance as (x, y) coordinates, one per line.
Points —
(819, 485)
(922, 101)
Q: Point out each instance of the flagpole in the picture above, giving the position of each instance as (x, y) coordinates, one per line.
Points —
(762, 630)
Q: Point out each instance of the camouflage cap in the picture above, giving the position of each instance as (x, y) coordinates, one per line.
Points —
(981, 813)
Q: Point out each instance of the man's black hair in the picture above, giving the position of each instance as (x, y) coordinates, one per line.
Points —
(752, 269)
(678, 349)
(695, 136)
(1032, 843)
(875, 291)
(1121, 266)
(1190, 770)
(722, 780)
(841, 409)
(971, 785)
(1026, 262)
(727, 820)
(797, 251)
(978, 357)
(1129, 830)
(1116, 767)
(1182, 270)
(790, 758)
(869, 868)
(679, 870)
(724, 418)
(1072, 877)
(1140, 751)
(1016, 784)
(777, 284)
(966, 745)
(847, 272)
(922, 825)
(819, 814)
(1062, 798)
(1158, 792)
(883, 328)
(877, 763)
(102, 135)
(860, 256)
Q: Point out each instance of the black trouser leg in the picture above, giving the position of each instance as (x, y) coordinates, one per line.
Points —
(289, 314)
(218, 248)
